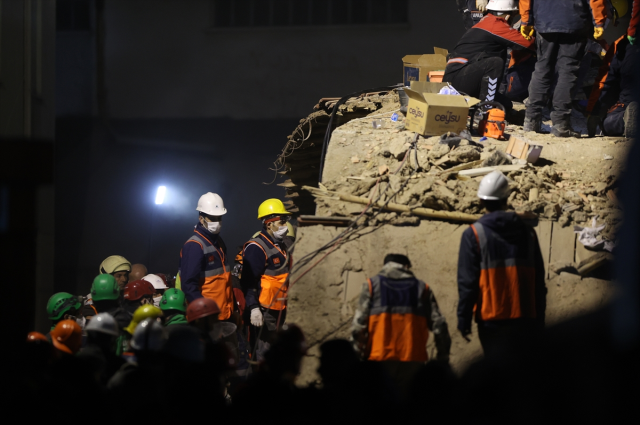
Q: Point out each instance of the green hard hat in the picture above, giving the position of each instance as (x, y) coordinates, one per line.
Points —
(104, 287)
(173, 299)
(60, 303)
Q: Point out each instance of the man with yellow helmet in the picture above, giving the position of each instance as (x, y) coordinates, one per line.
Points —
(265, 272)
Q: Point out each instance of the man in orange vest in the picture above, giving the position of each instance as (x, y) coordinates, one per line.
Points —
(265, 272)
(500, 273)
(395, 313)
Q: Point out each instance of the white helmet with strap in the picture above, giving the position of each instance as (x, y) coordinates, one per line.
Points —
(493, 187)
(211, 204)
(503, 5)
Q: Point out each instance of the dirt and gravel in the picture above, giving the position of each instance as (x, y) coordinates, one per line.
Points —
(574, 181)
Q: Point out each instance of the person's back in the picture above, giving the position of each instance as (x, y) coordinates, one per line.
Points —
(566, 16)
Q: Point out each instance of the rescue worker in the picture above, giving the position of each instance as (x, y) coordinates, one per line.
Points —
(66, 337)
(501, 278)
(174, 306)
(562, 29)
(147, 311)
(118, 267)
(64, 306)
(203, 270)
(265, 273)
(395, 313)
(476, 65)
(100, 348)
(138, 271)
(472, 11)
(105, 295)
(159, 285)
(202, 314)
(136, 294)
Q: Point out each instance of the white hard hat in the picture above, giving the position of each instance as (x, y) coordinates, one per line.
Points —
(115, 263)
(148, 336)
(104, 323)
(156, 281)
(503, 5)
(211, 204)
(493, 187)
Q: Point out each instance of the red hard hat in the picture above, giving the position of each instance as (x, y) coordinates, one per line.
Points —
(36, 337)
(67, 336)
(201, 307)
(138, 289)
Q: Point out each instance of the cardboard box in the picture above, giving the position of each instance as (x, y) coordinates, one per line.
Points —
(523, 149)
(427, 86)
(417, 67)
(435, 114)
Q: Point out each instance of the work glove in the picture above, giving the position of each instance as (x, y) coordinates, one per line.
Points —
(597, 32)
(256, 317)
(527, 31)
(632, 40)
(481, 5)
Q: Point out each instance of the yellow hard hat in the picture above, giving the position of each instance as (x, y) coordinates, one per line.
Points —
(143, 312)
(622, 6)
(271, 206)
(115, 263)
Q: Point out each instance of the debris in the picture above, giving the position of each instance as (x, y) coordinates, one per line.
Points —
(497, 158)
(579, 216)
(383, 169)
(590, 264)
(590, 236)
(523, 149)
(438, 151)
(564, 221)
(355, 159)
(607, 156)
(533, 194)
(464, 154)
(476, 172)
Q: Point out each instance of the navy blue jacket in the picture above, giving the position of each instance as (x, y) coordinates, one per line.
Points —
(514, 231)
(622, 79)
(253, 268)
(193, 262)
(564, 16)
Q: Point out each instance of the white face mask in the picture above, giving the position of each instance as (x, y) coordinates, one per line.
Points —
(214, 227)
(156, 300)
(281, 232)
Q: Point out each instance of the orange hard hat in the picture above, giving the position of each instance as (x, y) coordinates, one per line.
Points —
(201, 307)
(137, 289)
(36, 337)
(67, 336)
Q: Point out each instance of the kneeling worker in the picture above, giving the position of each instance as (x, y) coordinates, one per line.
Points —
(476, 64)
(500, 273)
(266, 267)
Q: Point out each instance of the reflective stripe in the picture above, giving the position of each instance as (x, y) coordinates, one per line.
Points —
(273, 287)
(457, 60)
(214, 272)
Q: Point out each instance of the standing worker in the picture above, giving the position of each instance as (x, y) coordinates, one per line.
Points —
(476, 64)
(174, 307)
(203, 270)
(500, 273)
(562, 29)
(265, 272)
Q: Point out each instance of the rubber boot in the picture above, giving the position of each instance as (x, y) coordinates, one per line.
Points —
(532, 124)
(631, 120)
(563, 129)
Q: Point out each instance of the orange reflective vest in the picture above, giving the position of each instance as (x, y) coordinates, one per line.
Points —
(507, 279)
(215, 278)
(273, 282)
(398, 328)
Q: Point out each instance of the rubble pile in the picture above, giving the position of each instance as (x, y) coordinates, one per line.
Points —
(440, 175)
(300, 158)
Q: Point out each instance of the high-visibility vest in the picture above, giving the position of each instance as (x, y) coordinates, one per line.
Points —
(398, 328)
(273, 282)
(215, 278)
(507, 276)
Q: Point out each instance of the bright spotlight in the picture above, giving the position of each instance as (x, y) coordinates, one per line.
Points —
(160, 194)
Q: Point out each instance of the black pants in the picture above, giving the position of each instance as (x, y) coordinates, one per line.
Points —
(261, 338)
(614, 121)
(498, 338)
(561, 53)
(480, 79)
